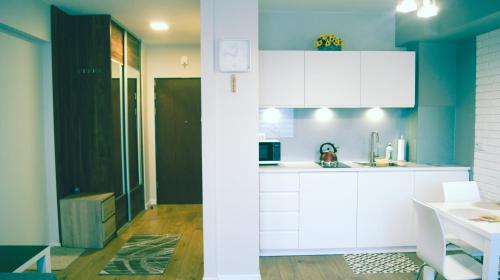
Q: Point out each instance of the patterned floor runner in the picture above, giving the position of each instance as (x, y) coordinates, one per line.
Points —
(380, 263)
(143, 254)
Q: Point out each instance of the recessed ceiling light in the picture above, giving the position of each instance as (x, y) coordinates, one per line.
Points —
(158, 25)
(428, 9)
(406, 6)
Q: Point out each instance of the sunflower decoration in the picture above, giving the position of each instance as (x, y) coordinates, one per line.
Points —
(329, 42)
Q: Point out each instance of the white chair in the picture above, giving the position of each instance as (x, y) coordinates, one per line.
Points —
(461, 192)
(431, 248)
(466, 191)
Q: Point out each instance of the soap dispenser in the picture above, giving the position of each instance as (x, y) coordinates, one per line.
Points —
(388, 152)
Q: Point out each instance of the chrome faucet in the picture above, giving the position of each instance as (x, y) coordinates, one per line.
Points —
(374, 139)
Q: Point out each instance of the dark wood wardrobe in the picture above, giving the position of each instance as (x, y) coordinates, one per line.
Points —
(94, 134)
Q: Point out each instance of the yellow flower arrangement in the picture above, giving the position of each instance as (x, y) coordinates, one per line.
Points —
(329, 41)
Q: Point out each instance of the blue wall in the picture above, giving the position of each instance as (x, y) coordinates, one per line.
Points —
(466, 102)
(298, 30)
(349, 128)
(432, 124)
(442, 127)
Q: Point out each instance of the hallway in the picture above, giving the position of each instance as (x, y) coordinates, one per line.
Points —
(187, 262)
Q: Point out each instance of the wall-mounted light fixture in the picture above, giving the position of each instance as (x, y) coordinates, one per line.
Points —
(271, 115)
(426, 8)
(323, 114)
(184, 61)
(375, 114)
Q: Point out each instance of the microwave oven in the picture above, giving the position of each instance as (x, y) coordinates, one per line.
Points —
(269, 152)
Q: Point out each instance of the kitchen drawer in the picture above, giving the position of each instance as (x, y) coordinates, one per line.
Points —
(279, 221)
(109, 228)
(279, 202)
(275, 240)
(108, 208)
(279, 182)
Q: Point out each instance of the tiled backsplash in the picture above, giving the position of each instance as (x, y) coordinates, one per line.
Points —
(347, 128)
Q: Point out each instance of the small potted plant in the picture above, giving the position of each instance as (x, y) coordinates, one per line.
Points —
(329, 42)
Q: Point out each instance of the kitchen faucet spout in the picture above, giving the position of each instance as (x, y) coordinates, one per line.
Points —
(374, 140)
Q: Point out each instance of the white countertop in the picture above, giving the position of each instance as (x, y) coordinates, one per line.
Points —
(310, 166)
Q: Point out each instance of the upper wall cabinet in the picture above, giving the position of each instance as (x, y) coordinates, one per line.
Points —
(332, 79)
(281, 78)
(344, 79)
(387, 79)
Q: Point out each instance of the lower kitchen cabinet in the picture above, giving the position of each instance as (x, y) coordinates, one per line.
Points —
(321, 212)
(327, 216)
(385, 210)
(279, 240)
(279, 211)
(428, 184)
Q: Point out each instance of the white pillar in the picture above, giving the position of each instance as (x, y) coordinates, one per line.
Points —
(230, 150)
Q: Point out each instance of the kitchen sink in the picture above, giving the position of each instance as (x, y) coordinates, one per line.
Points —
(367, 164)
(337, 164)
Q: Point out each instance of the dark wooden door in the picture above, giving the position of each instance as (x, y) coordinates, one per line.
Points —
(136, 188)
(178, 140)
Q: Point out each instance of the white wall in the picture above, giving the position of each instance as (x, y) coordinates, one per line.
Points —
(229, 130)
(23, 191)
(31, 17)
(27, 170)
(487, 149)
(161, 61)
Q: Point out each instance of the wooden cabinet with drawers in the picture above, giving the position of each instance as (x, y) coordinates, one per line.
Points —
(87, 220)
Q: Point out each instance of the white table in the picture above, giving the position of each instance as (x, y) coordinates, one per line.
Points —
(15, 258)
(482, 235)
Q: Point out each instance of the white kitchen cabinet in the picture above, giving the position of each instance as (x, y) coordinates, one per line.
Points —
(428, 184)
(279, 182)
(281, 75)
(327, 216)
(387, 79)
(279, 211)
(332, 79)
(385, 209)
(278, 221)
(279, 240)
(271, 202)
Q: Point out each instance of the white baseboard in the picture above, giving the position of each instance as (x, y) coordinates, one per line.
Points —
(55, 244)
(240, 277)
(235, 277)
(150, 203)
(313, 252)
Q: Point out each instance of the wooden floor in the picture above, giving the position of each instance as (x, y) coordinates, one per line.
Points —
(331, 267)
(187, 262)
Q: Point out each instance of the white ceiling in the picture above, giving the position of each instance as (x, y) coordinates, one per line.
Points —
(338, 6)
(183, 17)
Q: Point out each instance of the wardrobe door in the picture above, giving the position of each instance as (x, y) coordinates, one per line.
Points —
(117, 64)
